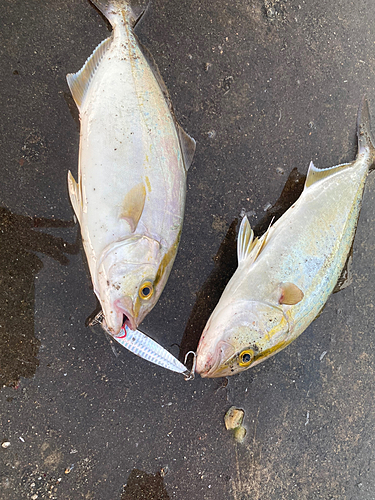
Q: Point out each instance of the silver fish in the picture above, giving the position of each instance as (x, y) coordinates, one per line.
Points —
(133, 160)
(284, 278)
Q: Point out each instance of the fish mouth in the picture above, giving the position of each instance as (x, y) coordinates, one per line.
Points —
(128, 321)
(118, 317)
(211, 368)
(123, 307)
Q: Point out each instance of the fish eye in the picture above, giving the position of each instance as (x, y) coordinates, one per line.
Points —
(246, 357)
(146, 290)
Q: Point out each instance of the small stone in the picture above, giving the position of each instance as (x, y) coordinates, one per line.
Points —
(233, 418)
(164, 471)
(239, 434)
(6, 444)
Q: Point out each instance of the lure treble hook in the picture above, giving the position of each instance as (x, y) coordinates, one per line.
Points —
(191, 375)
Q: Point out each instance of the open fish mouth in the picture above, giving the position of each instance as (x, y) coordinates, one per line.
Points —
(118, 319)
(128, 321)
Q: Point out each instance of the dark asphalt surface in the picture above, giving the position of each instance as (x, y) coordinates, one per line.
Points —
(264, 86)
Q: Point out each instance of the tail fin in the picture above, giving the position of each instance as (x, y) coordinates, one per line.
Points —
(365, 137)
(133, 9)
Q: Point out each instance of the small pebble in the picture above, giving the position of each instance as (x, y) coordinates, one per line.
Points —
(164, 471)
(239, 434)
(233, 418)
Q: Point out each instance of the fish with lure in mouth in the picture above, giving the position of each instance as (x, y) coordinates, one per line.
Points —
(284, 278)
(133, 160)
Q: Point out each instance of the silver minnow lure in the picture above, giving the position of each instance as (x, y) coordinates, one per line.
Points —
(144, 347)
(284, 278)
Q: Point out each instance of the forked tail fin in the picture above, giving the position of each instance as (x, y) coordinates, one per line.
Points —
(365, 137)
(133, 9)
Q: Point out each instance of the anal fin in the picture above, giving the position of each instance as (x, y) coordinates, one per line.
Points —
(249, 247)
(245, 240)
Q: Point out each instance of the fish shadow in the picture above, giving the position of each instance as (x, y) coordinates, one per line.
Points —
(226, 263)
(19, 265)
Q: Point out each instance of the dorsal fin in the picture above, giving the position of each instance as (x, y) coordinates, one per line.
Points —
(188, 146)
(132, 205)
(79, 82)
(316, 174)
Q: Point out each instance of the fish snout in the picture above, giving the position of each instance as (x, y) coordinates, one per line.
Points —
(204, 364)
(119, 313)
(213, 363)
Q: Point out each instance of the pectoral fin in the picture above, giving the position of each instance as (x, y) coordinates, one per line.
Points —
(132, 205)
(75, 196)
(290, 294)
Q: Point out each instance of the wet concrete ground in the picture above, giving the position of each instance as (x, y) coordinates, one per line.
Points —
(264, 86)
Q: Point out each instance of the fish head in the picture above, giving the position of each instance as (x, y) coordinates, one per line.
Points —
(127, 285)
(240, 335)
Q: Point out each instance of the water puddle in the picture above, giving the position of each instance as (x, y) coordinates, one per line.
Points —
(20, 238)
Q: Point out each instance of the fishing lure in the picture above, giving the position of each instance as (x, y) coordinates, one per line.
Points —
(145, 347)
